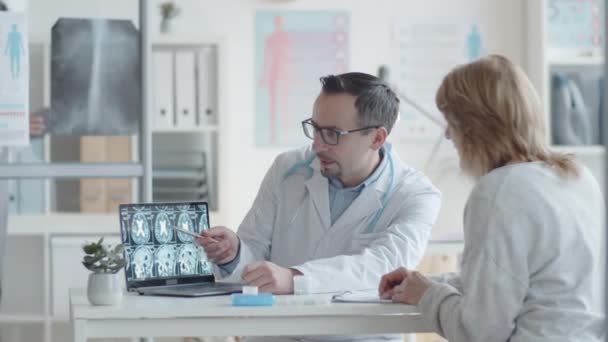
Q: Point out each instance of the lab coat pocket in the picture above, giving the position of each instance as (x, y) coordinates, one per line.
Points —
(360, 241)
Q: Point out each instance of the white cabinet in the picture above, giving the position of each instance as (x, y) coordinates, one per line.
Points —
(43, 259)
(565, 60)
(67, 270)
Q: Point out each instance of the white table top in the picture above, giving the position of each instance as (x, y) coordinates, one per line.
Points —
(135, 306)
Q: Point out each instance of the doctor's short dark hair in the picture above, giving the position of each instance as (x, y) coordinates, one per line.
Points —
(3, 6)
(376, 103)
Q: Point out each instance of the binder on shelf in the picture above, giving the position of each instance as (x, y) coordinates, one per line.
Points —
(185, 113)
(162, 64)
(207, 86)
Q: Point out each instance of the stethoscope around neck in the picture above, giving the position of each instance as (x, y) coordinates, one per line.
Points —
(306, 165)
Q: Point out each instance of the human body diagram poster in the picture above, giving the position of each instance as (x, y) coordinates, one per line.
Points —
(14, 80)
(292, 50)
(423, 53)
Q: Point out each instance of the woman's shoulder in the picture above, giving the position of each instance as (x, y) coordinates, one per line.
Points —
(532, 185)
(517, 178)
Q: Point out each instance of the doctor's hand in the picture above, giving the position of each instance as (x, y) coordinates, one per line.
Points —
(404, 286)
(220, 244)
(270, 277)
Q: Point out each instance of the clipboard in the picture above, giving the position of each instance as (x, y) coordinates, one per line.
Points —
(368, 297)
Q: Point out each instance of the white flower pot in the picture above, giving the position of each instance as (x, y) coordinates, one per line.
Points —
(104, 289)
(166, 25)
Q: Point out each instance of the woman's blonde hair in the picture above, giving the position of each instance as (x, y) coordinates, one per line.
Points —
(493, 107)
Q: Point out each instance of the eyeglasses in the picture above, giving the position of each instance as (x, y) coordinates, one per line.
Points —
(330, 136)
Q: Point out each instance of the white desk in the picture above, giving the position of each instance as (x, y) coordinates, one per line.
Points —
(214, 316)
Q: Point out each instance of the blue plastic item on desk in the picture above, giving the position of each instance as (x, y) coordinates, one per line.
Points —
(261, 299)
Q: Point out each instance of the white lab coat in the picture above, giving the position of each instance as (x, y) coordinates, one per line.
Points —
(289, 224)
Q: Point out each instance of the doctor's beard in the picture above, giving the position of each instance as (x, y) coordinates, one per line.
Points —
(330, 167)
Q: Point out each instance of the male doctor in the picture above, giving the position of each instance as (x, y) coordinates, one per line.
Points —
(342, 212)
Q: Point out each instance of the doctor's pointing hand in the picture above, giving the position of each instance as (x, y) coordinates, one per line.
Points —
(220, 244)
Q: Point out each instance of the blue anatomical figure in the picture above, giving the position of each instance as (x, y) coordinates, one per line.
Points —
(474, 44)
(14, 48)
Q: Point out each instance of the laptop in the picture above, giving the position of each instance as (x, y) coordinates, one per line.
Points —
(163, 261)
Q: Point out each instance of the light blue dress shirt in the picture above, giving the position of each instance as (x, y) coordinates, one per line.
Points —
(340, 198)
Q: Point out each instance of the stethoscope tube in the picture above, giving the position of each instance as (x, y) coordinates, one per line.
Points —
(306, 164)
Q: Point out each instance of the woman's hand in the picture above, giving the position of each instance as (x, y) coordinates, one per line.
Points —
(389, 281)
(404, 286)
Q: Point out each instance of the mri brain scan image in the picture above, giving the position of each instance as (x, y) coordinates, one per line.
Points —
(187, 258)
(140, 229)
(128, 253)
(204, 264)
(203, 224)
(184, 222)
(141, 262)
(164, 261)
(162, 228)
(124, 230)
(154, 251)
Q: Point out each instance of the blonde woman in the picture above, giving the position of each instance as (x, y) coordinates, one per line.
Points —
(532, 225)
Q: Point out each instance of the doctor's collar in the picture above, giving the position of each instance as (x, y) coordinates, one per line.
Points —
(337, 183)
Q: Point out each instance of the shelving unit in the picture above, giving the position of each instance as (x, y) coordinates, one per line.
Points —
(35, 297)
(583, 150)
(544, 60)
(185, 113)
(33, 273)
(591, 61)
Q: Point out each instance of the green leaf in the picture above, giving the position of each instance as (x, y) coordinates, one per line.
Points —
(103, 258)
(91, 248)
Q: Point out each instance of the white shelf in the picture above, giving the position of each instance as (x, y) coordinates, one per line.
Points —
(593, 61)
(177, 190)
(181, 39)
(582, 150)
(21, 318)
(98, 224)
(177, 174)
(199, 129)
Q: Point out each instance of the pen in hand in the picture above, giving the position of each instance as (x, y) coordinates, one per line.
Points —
(195, 235)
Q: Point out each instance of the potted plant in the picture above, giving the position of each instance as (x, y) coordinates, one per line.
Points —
(168, 11)
(104, 286)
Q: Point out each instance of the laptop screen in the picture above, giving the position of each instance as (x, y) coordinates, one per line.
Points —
(154, 251)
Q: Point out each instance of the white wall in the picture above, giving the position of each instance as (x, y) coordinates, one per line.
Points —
(501, 24)
(370, 46)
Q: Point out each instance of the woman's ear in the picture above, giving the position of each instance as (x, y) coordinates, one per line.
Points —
(379, 138)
